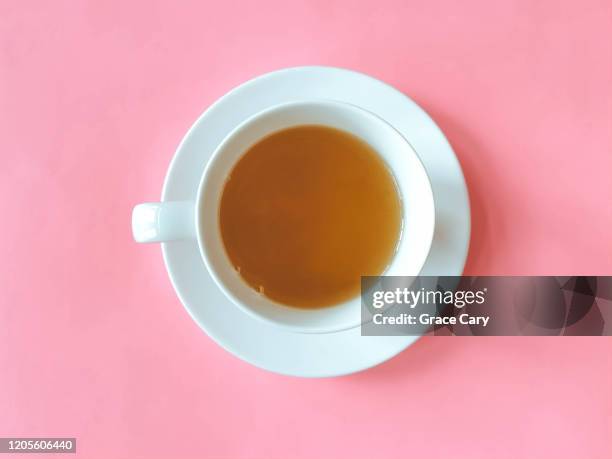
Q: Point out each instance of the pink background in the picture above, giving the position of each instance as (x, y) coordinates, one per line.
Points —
(96, 94)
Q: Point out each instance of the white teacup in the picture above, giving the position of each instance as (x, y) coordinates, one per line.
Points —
(168, 221)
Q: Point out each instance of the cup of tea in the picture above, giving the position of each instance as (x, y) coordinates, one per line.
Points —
(295, 205)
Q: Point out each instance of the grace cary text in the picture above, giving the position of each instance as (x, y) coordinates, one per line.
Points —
(426, 319)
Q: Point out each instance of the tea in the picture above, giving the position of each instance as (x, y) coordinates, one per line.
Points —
(306, 212)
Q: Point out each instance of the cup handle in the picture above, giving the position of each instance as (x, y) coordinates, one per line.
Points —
(163, 221)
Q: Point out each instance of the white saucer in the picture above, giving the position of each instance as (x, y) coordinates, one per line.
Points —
(257, 342)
